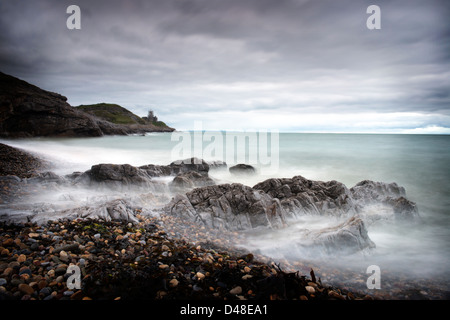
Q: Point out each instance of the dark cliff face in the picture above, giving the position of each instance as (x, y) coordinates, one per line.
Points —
(28, 111)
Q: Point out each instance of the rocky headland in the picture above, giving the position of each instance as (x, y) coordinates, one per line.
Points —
(28, 111)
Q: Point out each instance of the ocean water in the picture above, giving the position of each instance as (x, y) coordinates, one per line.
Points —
(419, 163)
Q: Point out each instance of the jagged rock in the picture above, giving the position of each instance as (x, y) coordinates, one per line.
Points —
(189, 180)
(217, 164)
(404, 210)
(177, 167)
(368, 192)
(242, 169)
(118, 210)
(390, 194)
(229, 206)
(118, 177)
(300, 196)
(191, 164)
(346, 238)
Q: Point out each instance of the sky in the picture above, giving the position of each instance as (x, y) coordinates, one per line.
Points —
(287, 65)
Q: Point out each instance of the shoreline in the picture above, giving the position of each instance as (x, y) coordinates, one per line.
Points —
(173, 230)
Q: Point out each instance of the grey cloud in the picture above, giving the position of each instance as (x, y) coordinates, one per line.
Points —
(183, 54)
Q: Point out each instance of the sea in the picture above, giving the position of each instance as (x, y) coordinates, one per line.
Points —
(419, 163)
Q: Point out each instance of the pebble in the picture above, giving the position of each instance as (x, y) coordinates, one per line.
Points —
(3, 281)
(25, 288)
(200, 276)
(236, 290)
(310, 289)
(173, 282)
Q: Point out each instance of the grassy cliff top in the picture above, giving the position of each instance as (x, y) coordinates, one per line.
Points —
(112, 113)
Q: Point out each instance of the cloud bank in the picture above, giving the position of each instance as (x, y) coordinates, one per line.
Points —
(291, 65)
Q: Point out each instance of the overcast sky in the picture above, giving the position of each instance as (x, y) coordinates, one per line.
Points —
(291, 65)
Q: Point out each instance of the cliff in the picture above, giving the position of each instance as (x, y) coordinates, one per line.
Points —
(28, 111)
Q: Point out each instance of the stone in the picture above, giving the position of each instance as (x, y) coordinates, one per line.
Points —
(173, 282)
(200, 276)
(190, 180)
(236, 290)
(310, 289)
(22, 258)
(25, 288)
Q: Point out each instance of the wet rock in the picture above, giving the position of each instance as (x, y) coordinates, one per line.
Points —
(228, 206)
(177, 167)
(189, 180)
(242, 169)
(300, 196)
(25, 288)
(236, 290)
(349, 237)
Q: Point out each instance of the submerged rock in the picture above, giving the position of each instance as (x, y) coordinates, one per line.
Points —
(242, 169)
(346, 238)
(391, 195)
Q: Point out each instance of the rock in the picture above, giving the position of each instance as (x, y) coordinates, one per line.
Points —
(310, 289)
(392, 195)
(228, 206)
(404, 210)
(118, 177)
(236, 290)
(173, 282)
(200, 276)
(217, 164)
(242, 169)
(346, 238)
(189, 180)
(22, 258)
(300, 196)
(25, 289)
(115, 210)
(177, 167)
(3, 281)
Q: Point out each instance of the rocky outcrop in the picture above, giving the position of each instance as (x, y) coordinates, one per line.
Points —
(115, 210)
(301, 196)
(117, 177)
(189, 173)
(28, 111)
(175, 168)
(228, 206)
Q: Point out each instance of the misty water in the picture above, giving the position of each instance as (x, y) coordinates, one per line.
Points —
(419, 163)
